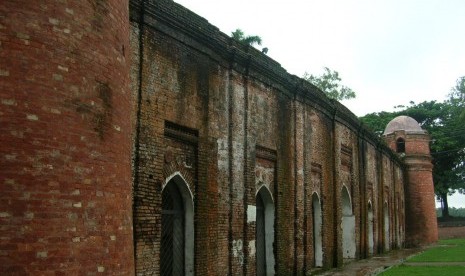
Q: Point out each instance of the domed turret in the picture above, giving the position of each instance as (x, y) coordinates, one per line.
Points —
(405, 123)
(405, 136)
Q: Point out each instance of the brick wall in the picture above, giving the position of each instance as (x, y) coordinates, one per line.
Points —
(65, 178)
(224, 118)
(257, 126)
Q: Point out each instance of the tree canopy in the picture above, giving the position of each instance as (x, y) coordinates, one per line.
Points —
(330, 83)
(445, 122)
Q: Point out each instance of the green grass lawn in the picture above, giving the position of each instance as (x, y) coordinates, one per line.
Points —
(447, 251)
(425, 270)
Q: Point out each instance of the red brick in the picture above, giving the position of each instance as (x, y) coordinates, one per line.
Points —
(46, 104)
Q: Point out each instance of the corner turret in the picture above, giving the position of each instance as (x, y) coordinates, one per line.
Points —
(406, 137)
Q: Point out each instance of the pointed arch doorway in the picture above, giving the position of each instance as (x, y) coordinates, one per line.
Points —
(370, 229)
(348, 226)
(317, 230)
(264, 232)
(177, 228)
(386, 227)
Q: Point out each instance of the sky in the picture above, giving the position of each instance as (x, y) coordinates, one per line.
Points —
(390, 52)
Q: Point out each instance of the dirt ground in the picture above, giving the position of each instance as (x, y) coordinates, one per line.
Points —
(451, 232)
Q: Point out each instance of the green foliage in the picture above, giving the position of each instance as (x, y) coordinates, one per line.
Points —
(378, 121)
(457, 97)
(239, 35)
(329, 83)
(445, 122)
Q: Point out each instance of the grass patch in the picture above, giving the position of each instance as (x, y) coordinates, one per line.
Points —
(453, 242)
(448, 251)
(425, 270)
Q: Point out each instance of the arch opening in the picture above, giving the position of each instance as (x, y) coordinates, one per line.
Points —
(264, 232)
(348, 226)
(370, 229)
(177, 228)
(400, 145)
(317, 231)
(386, 227)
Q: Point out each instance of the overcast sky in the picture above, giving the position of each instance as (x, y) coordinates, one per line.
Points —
(389, 51)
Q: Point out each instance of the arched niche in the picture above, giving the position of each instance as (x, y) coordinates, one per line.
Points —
(348, 226)
(371, 238)
(386, 227)
(400, 145)
(317, 230)
(177, 241)
(264, 232)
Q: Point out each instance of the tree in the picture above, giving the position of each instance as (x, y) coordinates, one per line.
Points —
(457, 97)
(329, 83)
(239, 35)
(378, 121)
(445, 123)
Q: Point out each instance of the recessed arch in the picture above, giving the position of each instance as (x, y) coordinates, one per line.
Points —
(264, 232)
(397, 223)
(400, 145)
(182, 183)
(267, 192)
(370, 229)
(386, 227)
(317, 230)
(177, 242)
(348, 225)
(346, 202)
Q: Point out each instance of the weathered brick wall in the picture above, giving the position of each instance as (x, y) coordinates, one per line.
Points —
(65, 176)
(257, 126)
(322, 180)
(373, 190)
(347, 174)
(223, 116)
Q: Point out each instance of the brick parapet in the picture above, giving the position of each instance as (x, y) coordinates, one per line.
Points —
(171, 18)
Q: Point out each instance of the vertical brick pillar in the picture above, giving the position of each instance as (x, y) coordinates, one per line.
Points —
(65, 138)
(405, 136)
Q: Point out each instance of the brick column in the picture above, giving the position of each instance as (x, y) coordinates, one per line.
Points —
(65, 134)
(421, 222)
